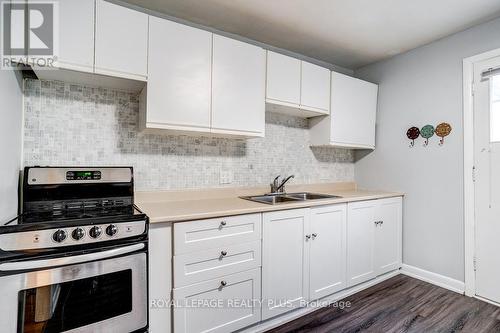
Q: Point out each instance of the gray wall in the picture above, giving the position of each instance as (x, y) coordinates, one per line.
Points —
(10, 141)
(68, 124)
(424, 86)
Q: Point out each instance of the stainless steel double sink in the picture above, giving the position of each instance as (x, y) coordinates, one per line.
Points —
(273, 199)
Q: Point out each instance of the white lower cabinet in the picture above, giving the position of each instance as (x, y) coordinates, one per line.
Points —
(221, 305)
(160, 277)
(285, 261)
(303, 256)
(388, 235)
(360, 241)
(373, 238)
(227, 275)
(327, 263)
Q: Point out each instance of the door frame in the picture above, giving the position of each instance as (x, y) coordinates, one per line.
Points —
(468, 176)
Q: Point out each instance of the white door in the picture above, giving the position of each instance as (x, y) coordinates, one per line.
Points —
(327, 263)
(388, 235)
(179, 78)
(487, 185)
(285, 253)
(360, 241)
(283, 79)
(121, 41)
(76, 35)
(238, 87)
(315, 88)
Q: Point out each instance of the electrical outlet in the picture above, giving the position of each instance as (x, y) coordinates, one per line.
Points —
(226, 177)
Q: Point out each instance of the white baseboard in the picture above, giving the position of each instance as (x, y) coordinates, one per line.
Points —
(434, 278)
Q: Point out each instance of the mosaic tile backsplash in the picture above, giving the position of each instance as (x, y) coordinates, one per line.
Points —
(67, 124)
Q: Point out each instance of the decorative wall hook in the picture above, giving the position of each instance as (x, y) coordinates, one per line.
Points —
(427, 132)
(442, 130)
(412, 134)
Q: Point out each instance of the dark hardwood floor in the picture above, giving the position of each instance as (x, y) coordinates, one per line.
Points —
(402, 304)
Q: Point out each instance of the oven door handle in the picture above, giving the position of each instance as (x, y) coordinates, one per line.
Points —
(47, 263)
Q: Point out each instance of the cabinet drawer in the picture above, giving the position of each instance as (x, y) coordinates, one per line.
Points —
(205, 265)
(220, 305)
(201, 235)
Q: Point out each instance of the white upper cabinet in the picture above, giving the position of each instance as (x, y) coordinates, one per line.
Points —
(200, 82)
(327, 265)
(353, 110)
(121, 41)
(283, 79)
(179, 77)
(296, 87)
(76, 35)
(238, 87)
(315, 92)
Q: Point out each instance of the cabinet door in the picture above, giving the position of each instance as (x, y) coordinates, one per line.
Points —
(179, 78)
(160, 277)
(236, 299)
(327, 273)
(283, 78)
(76, 35)
(388, 235)
(360, 241)
(285, 253)
(315, 92)
(238, 87)
(121, 41)
(353, 111)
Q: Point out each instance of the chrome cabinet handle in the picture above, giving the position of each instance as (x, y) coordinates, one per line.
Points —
(223, 223)
(314, 235)
(308, 237)
(223, 253)
(223, 283)
(379, 222)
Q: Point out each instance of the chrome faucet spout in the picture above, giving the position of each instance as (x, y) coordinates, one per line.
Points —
(281, 187)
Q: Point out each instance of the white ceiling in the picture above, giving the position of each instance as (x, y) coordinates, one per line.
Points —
(349, 33)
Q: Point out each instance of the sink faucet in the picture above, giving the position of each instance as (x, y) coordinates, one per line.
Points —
(279, 188)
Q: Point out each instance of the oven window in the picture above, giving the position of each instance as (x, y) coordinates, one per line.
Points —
(68, 305)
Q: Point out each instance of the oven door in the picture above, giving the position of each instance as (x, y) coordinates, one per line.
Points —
(107, 294)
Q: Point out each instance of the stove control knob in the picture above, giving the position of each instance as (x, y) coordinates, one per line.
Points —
(111, 230)
(78, 234)
(59, 236)
(95, 232)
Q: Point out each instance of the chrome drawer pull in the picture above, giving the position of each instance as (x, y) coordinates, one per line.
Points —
(223, 283)
(223, 253)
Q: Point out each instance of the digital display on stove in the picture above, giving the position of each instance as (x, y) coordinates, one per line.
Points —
(83, 175)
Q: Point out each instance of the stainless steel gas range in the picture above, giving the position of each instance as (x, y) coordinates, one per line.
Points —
(75, 260)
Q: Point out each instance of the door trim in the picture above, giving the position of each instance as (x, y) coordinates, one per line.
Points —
(469, 197)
